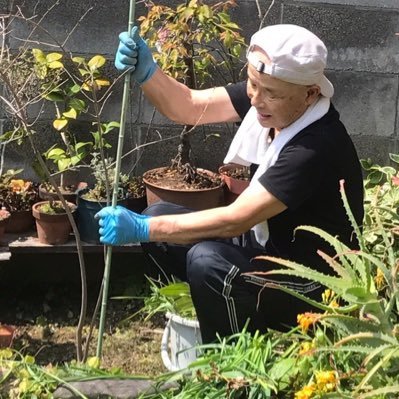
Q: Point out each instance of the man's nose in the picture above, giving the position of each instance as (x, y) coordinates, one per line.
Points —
(256, 99)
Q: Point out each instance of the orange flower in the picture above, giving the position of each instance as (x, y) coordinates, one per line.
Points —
(17, 185)
(305, 320)
(306, 392)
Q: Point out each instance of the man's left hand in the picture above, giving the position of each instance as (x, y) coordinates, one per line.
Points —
(119, 226)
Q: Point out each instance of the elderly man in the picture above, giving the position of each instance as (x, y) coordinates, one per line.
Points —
(298, 150)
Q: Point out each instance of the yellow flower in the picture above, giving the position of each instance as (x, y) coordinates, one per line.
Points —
(329, 298)
(379, 279)
(306, 392)
(334, 303)
(306, 348)
(305, 320)
(326, 380)
(327, 295)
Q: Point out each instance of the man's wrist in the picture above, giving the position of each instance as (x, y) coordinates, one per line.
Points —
(148, 75)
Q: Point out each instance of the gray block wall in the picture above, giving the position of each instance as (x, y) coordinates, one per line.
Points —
(363, 65)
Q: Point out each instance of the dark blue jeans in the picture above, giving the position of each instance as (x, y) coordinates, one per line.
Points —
(224, 296)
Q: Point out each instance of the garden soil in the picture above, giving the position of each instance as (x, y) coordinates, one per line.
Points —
(46, 316)
(171, 178)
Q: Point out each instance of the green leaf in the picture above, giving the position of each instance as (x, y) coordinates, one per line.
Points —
(379, 392)
(75, 159)
(350, 325)
(64, 164)
(375, 177)
(107, 127)
(55, 154)
(175, 290)
(83, 72)
(283, 371)
(359, 295)
(394, 157)
(77, 104)
(74, 89)
(80, 145)
(54, 96)
(388, 170)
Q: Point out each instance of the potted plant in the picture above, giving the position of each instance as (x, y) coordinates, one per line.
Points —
(136, 194)
(65, 90)
(52, 223)
(181, 334)
(4, 218)
(6, 335)
(92, 198)
(237, 178)
(17, 196)
(195, 41)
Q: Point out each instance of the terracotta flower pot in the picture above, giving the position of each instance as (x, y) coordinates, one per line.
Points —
(197, 199)
(20, 222)
(69, 196)
(6, 335)
(234, 186)
(52, 229)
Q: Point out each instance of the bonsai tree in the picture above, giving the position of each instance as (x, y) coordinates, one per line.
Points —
(196, 43)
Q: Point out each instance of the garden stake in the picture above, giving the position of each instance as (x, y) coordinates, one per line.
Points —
(108, 256)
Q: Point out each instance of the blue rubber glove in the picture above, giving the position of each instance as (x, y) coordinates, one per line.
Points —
(120, 226)
(134, 54)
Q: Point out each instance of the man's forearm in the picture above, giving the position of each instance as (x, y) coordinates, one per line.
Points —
(195, 226)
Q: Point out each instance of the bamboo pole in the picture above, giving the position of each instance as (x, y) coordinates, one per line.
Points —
(108, 256)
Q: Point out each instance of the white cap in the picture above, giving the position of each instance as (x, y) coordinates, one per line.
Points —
(296, 54)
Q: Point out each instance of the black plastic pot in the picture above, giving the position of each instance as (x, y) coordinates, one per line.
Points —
(87, 225)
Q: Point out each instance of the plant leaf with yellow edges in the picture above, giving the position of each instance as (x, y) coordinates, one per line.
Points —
(102, 82)
(71, 114)
(56, 65)
(39, 55)
(96, 62)
(59, 124)
(53, 57)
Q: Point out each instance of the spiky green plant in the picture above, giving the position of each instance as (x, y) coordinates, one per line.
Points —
(367, 323)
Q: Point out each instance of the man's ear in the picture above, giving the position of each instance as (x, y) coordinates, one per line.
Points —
(313, 93)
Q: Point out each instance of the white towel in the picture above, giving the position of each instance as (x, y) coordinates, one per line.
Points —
(249, 146)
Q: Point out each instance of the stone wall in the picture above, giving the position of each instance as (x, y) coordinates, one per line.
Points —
(363, 64)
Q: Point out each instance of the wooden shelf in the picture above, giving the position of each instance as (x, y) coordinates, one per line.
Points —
(26, 243)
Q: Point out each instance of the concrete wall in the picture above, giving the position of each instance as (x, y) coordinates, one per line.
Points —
(363, 64)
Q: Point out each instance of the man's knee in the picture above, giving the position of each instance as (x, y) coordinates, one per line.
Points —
(204, 263)
(196, 261)
(165, 208)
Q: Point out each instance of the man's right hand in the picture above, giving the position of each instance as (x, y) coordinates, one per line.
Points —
(134, 55)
